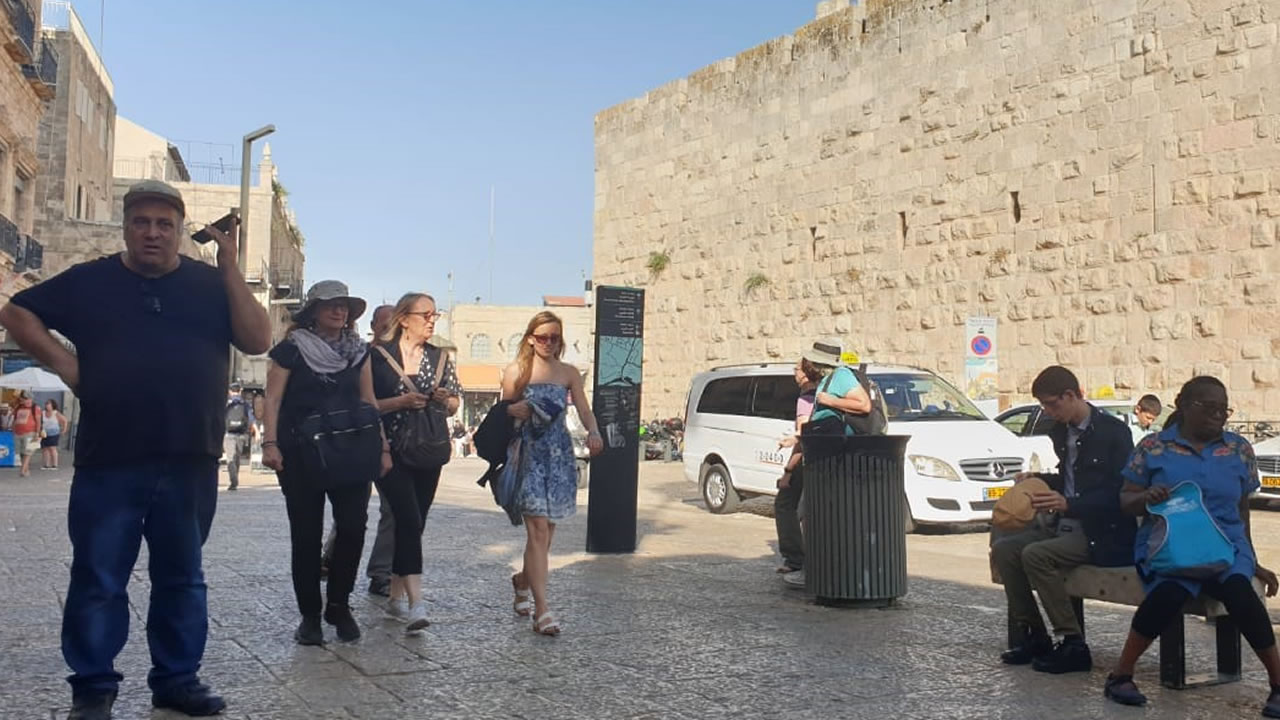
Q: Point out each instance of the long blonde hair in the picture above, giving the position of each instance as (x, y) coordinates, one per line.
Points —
(524, 358)
(403, 307)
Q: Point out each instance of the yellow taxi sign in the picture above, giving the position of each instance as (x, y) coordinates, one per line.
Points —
(849, 357)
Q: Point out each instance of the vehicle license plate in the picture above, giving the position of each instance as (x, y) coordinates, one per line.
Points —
(994, 493)
(1272, 481)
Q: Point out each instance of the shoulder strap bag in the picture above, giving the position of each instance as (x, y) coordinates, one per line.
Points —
(421, 440)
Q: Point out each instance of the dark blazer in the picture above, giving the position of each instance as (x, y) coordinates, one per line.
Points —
(1102, 451)
(491, 440)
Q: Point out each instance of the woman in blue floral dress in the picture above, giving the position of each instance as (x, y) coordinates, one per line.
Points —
(540, 387)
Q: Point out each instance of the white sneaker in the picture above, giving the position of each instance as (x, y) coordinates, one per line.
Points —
(416, 619)
(398, 608)
(794, 579)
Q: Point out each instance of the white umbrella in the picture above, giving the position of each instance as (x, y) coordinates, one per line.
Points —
(33, 379)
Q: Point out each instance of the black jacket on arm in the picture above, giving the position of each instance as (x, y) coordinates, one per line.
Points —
(1102, 451)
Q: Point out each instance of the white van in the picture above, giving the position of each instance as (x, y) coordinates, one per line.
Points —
(958, 461)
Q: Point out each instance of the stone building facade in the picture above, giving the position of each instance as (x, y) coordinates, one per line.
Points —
(76, 202)
(1102, 176)
(488, 336)
(28, 70)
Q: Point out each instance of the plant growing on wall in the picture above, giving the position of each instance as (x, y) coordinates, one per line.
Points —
(755, 282)
(281, 192)
(658, 261)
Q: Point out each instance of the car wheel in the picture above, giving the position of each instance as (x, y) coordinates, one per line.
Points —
(908, 522)
(717, 490)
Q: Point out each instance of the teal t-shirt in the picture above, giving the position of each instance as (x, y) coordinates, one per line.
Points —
(840, 382)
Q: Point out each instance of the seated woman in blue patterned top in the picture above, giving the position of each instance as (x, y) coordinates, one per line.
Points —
(1194, 447)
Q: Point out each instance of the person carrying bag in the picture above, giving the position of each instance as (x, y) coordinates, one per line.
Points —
(417, 389)
(324, 439)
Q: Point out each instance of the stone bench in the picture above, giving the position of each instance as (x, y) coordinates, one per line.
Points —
(1120, 585)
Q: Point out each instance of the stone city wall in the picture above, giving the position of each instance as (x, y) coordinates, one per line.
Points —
(1103, 176)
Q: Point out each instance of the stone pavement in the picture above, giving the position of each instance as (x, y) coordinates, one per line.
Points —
(694, 625)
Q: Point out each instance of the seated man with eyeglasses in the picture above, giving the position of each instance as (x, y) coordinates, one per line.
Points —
(1092, 448)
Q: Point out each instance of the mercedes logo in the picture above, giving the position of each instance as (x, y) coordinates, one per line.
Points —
(997, 470)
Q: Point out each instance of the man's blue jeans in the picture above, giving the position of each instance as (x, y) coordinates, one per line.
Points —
(170, 503)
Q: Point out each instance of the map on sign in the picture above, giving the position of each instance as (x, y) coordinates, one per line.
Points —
(621, 361)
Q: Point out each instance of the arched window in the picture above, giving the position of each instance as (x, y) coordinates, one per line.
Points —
(480, 347)
(513, 345)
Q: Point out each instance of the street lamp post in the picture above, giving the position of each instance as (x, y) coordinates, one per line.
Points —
(245, 166)
(243, 240)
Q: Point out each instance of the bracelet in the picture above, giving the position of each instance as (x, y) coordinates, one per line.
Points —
(269, 443)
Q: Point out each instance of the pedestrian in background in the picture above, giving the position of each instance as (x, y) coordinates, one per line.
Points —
(786, 504)
(55, 424)
(536, 384)
(320, 372)
(378, 568)
(1145, 411)
(1195, 447)
(151, 330)
(26, 431)
(241, 426)
(412, 376)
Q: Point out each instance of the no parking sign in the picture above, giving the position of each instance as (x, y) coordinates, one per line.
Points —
(980, 367)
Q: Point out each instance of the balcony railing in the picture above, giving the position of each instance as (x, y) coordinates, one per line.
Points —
(43, 76)
(21, 50)
(30, 254)
(286, 287)
(9, 237)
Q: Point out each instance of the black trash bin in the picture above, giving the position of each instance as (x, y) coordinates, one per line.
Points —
(855, 519)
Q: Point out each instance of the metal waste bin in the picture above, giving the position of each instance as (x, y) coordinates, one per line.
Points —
(855, 519)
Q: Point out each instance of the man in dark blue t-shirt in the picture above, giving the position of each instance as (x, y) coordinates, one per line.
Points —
(151, 331)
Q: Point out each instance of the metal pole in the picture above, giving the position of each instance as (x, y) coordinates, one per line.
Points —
(491, 206)
(242, 254)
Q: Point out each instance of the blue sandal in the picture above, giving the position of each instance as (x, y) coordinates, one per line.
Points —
(1122, 689)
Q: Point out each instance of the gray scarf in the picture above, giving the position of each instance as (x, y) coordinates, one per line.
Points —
(326, 357)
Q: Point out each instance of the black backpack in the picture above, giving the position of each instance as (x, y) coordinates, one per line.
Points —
(237, 417)
(875, 422)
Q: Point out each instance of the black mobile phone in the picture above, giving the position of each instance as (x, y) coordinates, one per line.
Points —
(223, 223)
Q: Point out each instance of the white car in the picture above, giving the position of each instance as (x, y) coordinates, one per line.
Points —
(958, 461)
(1032, 426)
(1268, 454)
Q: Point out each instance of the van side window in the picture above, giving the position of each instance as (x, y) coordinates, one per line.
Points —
(727, 396)
(775, 398)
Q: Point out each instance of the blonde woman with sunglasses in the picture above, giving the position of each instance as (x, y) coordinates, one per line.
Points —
(540, 386)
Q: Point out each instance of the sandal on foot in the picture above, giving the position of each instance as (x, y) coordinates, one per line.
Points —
(523, 605)
(547, 624)
(1272, 708)
(1122, 689)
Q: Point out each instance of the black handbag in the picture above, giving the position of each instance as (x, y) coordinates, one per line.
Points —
(341, 446)
(421, 440)
(875, 422)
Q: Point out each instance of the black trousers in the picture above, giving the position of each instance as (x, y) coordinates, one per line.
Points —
(410, 493)
(1165, 601)
(305, 505)
(786, 515)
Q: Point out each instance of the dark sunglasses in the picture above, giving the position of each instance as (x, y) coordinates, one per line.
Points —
(546, 339)
(1213, 408)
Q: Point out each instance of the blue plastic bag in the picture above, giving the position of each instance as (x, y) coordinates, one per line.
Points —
(1185, 541)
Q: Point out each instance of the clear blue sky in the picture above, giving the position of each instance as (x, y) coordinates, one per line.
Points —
(394, 118)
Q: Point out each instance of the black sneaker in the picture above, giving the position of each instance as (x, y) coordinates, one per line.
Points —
(196, 700)
(95, 706)
(339, 616)
(309, 631)
(1033, 646)
(1070, 655)
(380, 587)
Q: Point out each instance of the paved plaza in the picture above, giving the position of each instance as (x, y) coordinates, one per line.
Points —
(693, 625)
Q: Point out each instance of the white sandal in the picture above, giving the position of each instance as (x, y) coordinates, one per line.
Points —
(523, 605)
(547, 624)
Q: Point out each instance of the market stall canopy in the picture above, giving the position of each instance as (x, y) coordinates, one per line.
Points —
(33, 379)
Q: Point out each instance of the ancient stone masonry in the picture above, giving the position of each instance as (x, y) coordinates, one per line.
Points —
(1101, 175)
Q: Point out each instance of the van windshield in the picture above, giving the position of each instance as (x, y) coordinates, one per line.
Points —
(916, 397)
